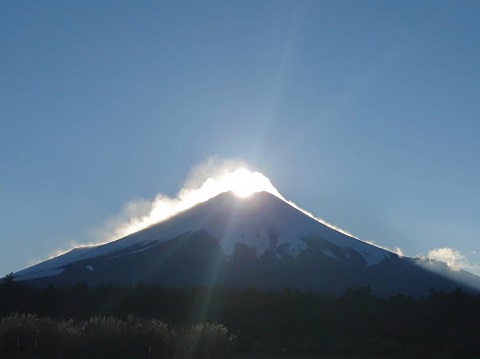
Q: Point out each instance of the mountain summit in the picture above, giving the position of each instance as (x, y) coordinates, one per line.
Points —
(257, 241)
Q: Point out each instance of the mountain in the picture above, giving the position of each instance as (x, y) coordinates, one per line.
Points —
(259, 241)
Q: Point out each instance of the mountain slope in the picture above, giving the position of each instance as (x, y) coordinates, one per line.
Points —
(260, 240)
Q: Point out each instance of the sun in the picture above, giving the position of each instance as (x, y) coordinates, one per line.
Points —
(243, 183)
(238, 180)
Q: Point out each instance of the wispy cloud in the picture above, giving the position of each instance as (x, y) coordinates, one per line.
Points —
(453, 258)
(398, 251)
(205, 181)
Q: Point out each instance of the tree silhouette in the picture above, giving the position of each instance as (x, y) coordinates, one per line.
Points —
(8, 279)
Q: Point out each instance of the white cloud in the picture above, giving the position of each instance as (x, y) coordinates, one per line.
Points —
(453, 258)
(399, 251)
(205, 181)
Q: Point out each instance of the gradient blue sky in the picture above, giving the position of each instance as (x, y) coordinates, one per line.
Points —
(365, 113)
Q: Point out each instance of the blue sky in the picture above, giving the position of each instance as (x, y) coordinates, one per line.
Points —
(365, 113)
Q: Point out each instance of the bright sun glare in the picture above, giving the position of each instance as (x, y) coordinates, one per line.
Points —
(244, 183)
(139, 214)
(241, 181)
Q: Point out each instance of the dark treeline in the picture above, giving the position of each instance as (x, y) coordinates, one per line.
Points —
(29, 336)
(357, 323)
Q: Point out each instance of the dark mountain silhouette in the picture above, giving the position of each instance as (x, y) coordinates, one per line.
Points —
(259, 241)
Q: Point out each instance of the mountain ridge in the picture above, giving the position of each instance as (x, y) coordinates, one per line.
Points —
(261, 240)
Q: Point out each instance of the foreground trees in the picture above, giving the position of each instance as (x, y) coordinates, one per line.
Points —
(28, 336)
(113, 321)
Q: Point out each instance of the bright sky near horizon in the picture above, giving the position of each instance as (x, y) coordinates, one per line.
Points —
(364, 113)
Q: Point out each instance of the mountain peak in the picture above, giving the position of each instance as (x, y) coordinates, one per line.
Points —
(262, 222)
(256, 197)
(257, 240)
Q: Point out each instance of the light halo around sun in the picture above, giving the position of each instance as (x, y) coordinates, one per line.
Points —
(140, 214)
(240, 181)
(243, 183)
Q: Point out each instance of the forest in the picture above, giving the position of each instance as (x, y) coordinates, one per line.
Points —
(147, 321)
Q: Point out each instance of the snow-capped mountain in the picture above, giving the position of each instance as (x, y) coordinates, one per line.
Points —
(257, 241)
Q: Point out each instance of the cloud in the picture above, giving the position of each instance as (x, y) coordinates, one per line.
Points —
(453, 258)
(398, 251)
(205, 181)
(213, 167)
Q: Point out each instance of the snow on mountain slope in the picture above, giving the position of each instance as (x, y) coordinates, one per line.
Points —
(261, 222)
